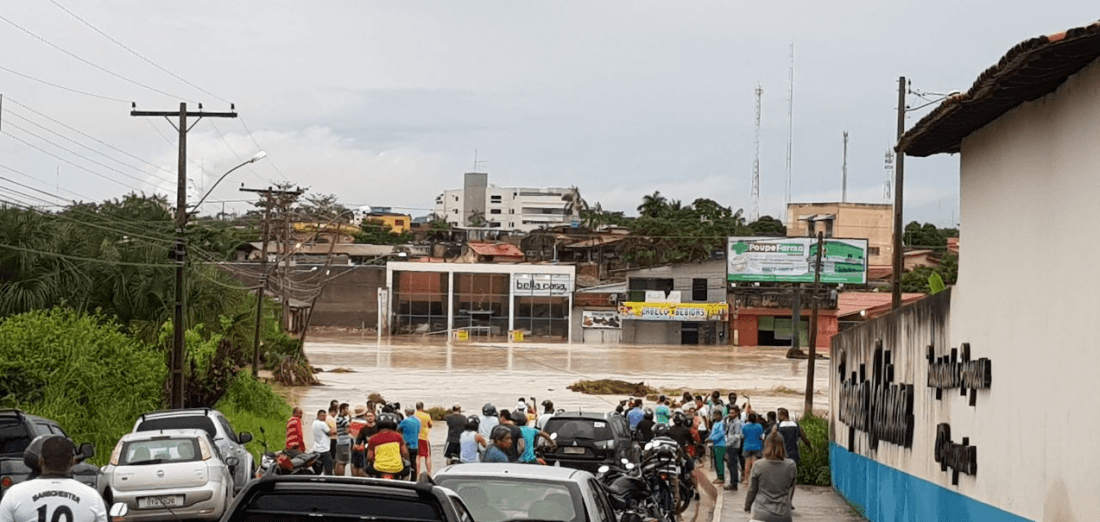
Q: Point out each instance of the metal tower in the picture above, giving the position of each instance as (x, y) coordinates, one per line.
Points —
(790, 126)
(844, 172)
(756, 162)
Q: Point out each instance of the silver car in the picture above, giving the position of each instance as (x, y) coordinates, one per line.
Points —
(170, 475)
(498, 492)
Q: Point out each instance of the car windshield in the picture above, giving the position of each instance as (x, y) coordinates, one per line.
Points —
(159, 451)
(188, 422)
(591, 429)
(13, 436)
(492, 499)
(284, 506)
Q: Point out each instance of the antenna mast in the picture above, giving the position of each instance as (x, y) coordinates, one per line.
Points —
(790, 124)
(844, 172)
(756, 161)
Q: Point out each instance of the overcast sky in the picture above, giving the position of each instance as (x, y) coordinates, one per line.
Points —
(384, 103)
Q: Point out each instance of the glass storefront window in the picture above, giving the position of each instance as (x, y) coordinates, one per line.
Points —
(419, 302)
(481, 303)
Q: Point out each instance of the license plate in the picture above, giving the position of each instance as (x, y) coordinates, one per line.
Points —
(569, 450)
(156, 502)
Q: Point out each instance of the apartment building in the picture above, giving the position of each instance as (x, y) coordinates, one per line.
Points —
(521, 209)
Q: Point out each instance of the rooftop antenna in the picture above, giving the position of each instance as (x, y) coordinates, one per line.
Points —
(756, 161)
(844, 172)
(790, 125)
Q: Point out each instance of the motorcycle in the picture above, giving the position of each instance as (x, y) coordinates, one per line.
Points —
(662, 469)
(285, 462)
(628, 492)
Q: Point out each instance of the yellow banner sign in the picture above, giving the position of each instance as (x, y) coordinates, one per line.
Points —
(675, 311)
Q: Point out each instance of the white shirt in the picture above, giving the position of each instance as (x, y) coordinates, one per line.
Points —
(320, 436)
(52, 499)
(541, 422)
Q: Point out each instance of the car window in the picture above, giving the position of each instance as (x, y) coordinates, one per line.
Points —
(491, 499)
(141, 452)
(463, 514)
(57, 430)
(287, 506)
(13, 436)
(592, 429)
(228, 429)
(196, 422)
(43, 428)
(602, 505)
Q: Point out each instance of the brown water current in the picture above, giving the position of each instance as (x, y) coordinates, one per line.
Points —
(473, 373)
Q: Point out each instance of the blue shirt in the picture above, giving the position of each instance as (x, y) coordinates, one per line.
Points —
(529, 435)
(662, 413)
(754, 437)
(718, 434)
(410, 429)
(634, 417)
(494, 454)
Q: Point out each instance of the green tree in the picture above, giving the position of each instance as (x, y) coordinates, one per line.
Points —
(917, 279)
(768, 226)
(374, 231)
(653, 205)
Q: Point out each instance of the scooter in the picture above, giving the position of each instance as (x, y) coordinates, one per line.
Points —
(286, 462)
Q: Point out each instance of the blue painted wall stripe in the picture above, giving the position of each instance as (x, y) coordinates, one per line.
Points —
(886, 494)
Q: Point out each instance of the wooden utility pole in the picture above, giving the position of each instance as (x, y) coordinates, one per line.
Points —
(268, 195)
(899, 187)
(179, 254)
(809, 407)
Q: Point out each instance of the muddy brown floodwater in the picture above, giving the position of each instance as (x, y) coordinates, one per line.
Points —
(474, 373)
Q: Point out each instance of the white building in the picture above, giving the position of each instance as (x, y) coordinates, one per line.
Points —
(977, 403)
(520, 209)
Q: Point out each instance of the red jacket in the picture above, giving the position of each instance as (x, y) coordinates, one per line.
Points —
(294, 437)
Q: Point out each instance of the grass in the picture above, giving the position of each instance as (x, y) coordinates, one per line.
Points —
(251, 405)
(814, 468)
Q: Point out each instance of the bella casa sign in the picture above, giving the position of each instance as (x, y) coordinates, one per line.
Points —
(542, 284)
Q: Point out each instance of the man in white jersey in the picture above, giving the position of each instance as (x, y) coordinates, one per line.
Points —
(54, 495)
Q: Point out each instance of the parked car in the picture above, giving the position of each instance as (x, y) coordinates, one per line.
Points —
(170, 475)
(294, 498)
(17, 431)
(229, 442)
(589, 440)
(499, 492)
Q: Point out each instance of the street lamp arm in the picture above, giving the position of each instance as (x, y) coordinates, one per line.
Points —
(259, 156)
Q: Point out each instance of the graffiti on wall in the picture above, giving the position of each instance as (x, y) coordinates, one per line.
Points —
(875, 404)
(958, 457)
(957, 370)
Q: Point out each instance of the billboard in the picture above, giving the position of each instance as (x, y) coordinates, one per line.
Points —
(600, 319)
(791, 260)
(675, 311)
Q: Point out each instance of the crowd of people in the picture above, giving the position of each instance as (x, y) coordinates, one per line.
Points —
(744, 447)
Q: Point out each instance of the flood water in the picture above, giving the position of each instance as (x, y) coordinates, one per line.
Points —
(473, 373)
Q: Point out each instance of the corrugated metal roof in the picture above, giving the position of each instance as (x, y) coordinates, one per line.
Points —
(496, 249)
(1030, 70)
(596, 241)
(350, 249)
(849, 303)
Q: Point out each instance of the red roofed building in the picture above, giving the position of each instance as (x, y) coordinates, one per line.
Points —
(491, 253)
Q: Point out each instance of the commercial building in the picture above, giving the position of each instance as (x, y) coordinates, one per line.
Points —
(480, 299)
(676, 304)
(522, 209)
(871, 221)
(961, 407)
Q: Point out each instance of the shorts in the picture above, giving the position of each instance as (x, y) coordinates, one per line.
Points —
(358, 460)
(759, 454)
(424, 449)
(453, 450)
(343, 453)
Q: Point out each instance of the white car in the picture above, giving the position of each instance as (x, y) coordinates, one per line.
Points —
(170, 475)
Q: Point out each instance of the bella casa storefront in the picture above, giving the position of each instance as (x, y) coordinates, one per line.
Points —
(487, 300)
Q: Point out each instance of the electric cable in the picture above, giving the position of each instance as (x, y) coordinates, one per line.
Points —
(62, 87)
(48, 153)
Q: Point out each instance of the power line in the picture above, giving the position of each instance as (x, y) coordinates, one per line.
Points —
(135, 53)
(87, 62)
(230, 147)
(33, 146)
(87, 259)
(253, 137)
(77, 154)
(62, 87)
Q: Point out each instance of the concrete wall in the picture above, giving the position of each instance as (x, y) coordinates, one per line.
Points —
(1024, 300)
(874, 222)
(1028, 188)
(683, 274)
(473, 195)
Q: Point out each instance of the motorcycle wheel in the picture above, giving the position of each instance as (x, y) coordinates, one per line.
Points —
(686, 494)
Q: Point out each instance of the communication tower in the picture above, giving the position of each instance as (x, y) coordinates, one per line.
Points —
(756, 161)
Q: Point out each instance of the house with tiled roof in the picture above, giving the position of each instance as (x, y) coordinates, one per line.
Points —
(975, 403)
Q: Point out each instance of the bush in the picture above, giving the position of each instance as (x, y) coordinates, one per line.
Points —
(80, 371)
(814, 467)
(251, 405)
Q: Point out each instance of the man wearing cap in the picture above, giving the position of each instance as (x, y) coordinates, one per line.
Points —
(54, 495)
(456, 424)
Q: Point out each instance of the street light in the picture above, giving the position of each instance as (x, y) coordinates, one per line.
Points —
(259, 156)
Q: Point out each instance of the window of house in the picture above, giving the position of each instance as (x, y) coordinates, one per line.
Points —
(494, 211)
(829, 228)
(638, 286)
(872, 251)
(699, 289)
(455, 211)
(494, 199)
(399, 222)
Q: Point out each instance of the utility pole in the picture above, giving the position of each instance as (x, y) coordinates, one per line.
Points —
(899, 178)
(844, 172)
(180, 252)
(268, 195)
(809, 406)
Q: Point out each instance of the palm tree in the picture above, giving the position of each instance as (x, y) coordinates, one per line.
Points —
(477, 218)
(653, 205)
(575, 204)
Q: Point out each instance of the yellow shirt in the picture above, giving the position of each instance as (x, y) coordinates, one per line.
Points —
(425, 423)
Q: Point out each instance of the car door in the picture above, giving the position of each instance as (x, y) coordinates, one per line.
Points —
(230, 448)
(604, 512)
